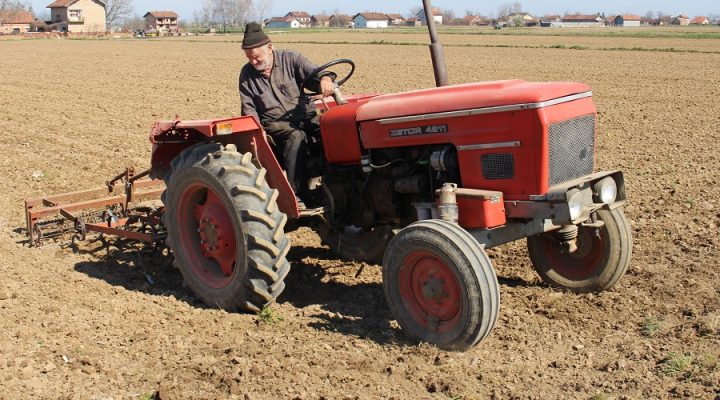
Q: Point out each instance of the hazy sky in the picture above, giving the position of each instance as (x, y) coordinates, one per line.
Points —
(539, 7)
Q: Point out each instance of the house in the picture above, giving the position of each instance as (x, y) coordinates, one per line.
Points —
(371, 20)
(303, 18)
(395, 19)
(470, 20)
(413, 21)
(626, 20)
(282, 22)
(550, 21)
(161, 21)
(581, 21)
(437, 16)
(681, 20)
(320, 20)
(341, 21)
(700, 21)
(526, 18)
(15, 22)
(77, 16)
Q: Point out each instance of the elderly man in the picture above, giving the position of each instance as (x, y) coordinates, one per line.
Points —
(270, 90)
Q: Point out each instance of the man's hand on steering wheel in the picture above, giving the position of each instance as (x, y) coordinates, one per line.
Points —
(327, 86)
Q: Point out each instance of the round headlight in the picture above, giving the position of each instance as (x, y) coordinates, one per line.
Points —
(605, 191)
(576, 203)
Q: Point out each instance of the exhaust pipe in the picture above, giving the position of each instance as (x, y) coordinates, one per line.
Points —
(436, 50)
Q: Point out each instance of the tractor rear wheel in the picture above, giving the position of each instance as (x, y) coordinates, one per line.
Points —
(440, 285)
(356, 244)
(224, 228)
(601, 259)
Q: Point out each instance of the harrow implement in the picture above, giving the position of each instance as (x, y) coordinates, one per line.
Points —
(128, 206)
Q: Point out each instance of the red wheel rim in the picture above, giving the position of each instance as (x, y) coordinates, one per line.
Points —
(208, 236)
(583, 263)
(430, 291)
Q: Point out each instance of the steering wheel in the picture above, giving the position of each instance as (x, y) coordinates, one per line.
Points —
(316, 76)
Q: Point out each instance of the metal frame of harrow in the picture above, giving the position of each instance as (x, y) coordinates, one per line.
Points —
(123, 191)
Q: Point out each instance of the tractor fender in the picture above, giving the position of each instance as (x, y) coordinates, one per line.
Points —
(170, 138)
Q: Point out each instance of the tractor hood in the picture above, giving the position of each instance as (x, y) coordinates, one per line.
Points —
(468, 96)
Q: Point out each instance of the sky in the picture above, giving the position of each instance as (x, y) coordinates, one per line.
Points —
(185, 8)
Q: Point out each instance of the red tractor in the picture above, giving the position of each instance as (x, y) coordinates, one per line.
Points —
(422, 182)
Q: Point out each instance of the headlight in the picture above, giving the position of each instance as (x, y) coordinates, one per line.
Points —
(605, 191)
(576, 203)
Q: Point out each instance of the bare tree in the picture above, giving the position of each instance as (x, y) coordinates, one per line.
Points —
(448, 16)
(227, 13)
(132, 23)
(504, 9)
(116, 11)
(517, 7)
(650, 15)
(414, 11)
(15, 5)
(262, 9)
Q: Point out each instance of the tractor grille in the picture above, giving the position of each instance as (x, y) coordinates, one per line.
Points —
(571, 149)
(498, 166)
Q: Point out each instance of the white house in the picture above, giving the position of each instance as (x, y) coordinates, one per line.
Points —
(581, 21)
(371, 20)
(282, 22)
(627, 20)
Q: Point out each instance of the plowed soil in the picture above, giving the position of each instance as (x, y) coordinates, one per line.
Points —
(89, 324)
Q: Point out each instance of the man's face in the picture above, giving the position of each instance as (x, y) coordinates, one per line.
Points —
(260, 57)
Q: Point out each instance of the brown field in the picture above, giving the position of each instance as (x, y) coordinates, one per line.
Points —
(90, 326)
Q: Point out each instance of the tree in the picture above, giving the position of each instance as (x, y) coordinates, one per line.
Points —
(15, 5)
(504, 9)
(132, 23)
(650, 15)
(517, 7)
(116, 11)
(414, 11)
(448, 16)
(227, 13)
(262, 9)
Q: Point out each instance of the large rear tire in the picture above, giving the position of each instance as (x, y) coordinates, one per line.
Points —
(440, 285)
(224, 228)
(601, 259)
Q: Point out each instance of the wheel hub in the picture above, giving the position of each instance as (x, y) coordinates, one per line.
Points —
(217, 237)
(431, 290)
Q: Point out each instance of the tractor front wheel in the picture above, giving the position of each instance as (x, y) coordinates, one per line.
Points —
(440, 285)
(602, 255)
(224, 228)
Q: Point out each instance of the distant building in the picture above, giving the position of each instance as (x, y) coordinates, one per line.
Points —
(470, 20)
(77, 16)
(162, 21)
(371, 20)
(627, 20)
(527, 19)
(341, 21)
(581, 21)
(302, 17)
(413, 21)
(15, 22)
(395, 19)
(700, 21)
(681, 20)
(282, 22)
(550, 21)
(437, 16)
(320, 20)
